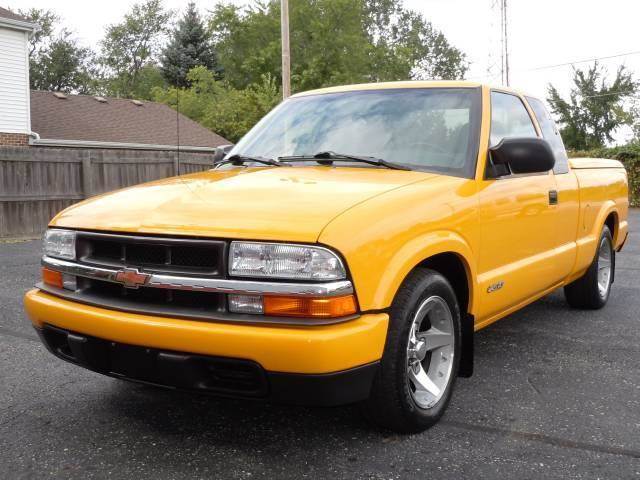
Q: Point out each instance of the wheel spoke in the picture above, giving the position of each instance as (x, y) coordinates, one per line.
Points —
(423, 383)
(604, 267)
(435, 338)
(430, 348)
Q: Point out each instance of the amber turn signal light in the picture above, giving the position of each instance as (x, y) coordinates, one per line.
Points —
(53, 278)
(326, 307)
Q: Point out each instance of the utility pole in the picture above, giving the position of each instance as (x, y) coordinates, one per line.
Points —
(286, 56)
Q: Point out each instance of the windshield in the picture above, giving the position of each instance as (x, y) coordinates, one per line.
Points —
(421, 128)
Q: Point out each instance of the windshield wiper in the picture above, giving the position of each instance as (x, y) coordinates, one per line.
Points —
(329, 157)
(238, 159)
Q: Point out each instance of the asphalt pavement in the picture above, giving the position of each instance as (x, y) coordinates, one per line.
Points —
(556, 394)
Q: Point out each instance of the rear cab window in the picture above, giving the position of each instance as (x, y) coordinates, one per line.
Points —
(551, 134)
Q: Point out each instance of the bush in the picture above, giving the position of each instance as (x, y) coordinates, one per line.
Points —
(629, 155)
(227, 111)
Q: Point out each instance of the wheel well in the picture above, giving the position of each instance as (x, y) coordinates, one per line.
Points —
(612, 222)
(452, 267)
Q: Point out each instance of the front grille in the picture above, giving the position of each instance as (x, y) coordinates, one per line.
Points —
(174, 256)
(153, 254)
(161, 300)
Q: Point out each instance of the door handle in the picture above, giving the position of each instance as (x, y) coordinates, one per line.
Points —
(553, 197)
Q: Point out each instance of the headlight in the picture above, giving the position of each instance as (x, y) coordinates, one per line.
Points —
(59, 244)
(278, 260)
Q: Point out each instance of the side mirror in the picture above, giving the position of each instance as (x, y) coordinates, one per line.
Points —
(521, 155)
(221, 152)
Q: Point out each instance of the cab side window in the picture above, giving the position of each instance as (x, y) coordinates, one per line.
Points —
(551, 134)
(509, 118)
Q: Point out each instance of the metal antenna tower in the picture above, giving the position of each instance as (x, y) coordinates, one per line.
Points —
(498, 66)
(505, 43)
(492, 31)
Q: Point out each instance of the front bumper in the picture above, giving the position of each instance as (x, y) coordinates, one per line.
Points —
(329, 356)
(206, 374)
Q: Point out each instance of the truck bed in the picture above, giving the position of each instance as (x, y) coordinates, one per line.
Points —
(589, 163)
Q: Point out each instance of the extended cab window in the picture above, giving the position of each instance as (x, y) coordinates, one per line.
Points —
(551, 134)
(433, 129)
(509, 118)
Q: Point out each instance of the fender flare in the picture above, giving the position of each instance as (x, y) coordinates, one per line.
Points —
(606, 209)
(417, 251)
(421, 248)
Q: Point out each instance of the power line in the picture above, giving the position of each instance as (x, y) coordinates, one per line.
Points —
(595, 59)
(629, 93)
(566, 64)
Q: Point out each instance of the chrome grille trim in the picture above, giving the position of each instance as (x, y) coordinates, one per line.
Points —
(204, 284)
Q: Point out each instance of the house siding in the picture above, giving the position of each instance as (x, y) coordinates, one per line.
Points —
(14, 82)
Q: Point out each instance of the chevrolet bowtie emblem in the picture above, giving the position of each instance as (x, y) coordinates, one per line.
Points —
(132, 278)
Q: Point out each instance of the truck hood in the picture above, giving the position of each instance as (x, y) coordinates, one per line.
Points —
(286, 203)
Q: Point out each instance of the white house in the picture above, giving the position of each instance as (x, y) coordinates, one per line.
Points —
(15, 121)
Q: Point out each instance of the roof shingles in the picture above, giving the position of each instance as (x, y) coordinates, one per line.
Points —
(82, 117)
(4, 13)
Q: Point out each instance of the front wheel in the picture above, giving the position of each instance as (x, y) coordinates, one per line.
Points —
(420, 361)
(591, 291)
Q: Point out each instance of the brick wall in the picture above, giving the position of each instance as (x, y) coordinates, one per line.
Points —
(14, 139)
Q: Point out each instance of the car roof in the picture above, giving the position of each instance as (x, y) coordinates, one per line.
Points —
(404, 85)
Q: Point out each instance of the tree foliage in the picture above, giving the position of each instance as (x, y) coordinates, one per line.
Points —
(131, 45)
(63, 66)
(57, 61)
(227, 111)
(595, 108)
(46, 21)
(190, 46)
(333, 42)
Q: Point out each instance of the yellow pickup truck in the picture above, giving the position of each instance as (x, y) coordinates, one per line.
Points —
(345, 250)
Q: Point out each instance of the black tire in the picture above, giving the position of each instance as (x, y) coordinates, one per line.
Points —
(584, 292)
(391, 404)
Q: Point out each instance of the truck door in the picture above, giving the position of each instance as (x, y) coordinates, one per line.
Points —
(568, 201)
(518, 222)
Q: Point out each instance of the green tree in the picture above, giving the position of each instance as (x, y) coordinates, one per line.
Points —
(63, 66)
(332, 42)
(595, 108)
(190, 46)
(223, 109)
(407, 46)
(58, 61)
(46, 21)
(131, 45)
(635, 120)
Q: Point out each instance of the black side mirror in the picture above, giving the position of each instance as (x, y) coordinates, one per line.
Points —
(221, 152)
(521, 155)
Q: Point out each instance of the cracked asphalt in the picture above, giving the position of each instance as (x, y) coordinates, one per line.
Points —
(556, 394)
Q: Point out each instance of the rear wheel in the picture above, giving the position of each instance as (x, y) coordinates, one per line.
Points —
(420, 362)
(591, 291)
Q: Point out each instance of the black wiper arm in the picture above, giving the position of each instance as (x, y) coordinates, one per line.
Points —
(330, 157)
(238, 159)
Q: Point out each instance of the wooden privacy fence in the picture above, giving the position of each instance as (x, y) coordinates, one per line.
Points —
(37, 182)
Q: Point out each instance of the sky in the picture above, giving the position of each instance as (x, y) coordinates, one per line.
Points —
(542, 33)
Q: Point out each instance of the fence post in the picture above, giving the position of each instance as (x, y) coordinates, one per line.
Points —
(87, 179)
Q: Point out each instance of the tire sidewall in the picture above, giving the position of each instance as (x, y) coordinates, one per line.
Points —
(606, 233)
(432, 284)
